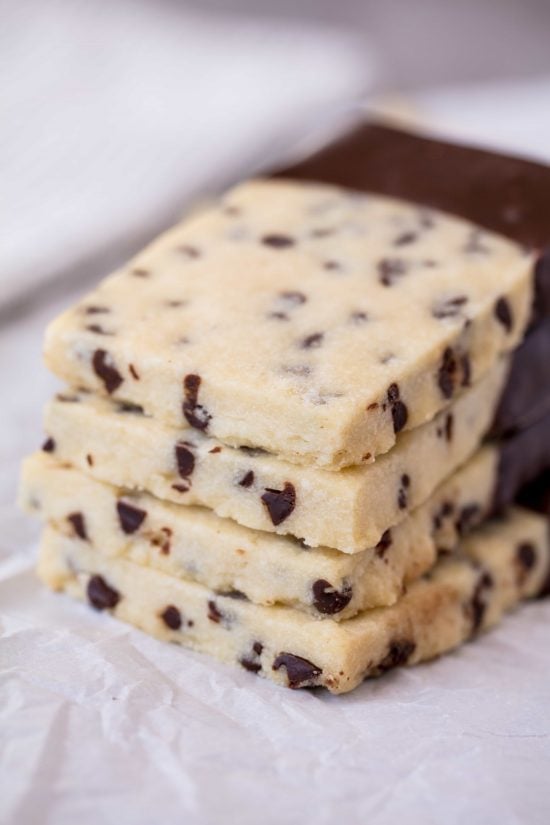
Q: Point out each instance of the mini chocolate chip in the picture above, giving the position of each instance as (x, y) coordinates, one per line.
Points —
(503, 313)
(298, 670)
(390, 270)
(449, 426)
(95, 310)
(238, 595)
(104, 369)
(214, 614)
(279, 316)
(250, 662)
(526, 555)
(312, 341)
(402, 498)
(250, 665)
(49, 445)
(399, 411)
(478, 605)
(247, 479)
(140, 273)
(466, 365)
(384, 543)
(90, 460)
(181, 488)
(133, 372)
(171, 617)
(405, 238)
(293, 298)
(215, 450)
(332, 266)
(399, 653)
(101, 595)
(280, 503)
(447, 372)
(277, 241)
(449, 307)
(128, 407)
(189, 251)
(131, 518)
(98, 329)
(328, 600)
(196, 415)
(358, 317)
(79, 525)
(185, 460)
(252, 451)
(468, 517)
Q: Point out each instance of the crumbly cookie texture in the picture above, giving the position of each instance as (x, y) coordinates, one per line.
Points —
(349, 510)
(193, 543)
(502, 563)
(311, 321)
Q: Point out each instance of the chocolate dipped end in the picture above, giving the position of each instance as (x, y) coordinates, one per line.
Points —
(522, 459)
(526, 397)
(500, 192)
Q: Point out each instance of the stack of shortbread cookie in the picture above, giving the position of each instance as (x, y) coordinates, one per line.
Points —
(273, 443)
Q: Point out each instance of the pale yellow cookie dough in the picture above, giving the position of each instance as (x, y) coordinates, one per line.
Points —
(502, 563)
(193, 543)
(348, 510)
(311, 321)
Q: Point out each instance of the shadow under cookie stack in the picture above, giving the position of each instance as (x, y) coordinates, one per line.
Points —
(297, 426)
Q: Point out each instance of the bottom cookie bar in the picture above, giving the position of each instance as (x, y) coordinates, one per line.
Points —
(499, 565)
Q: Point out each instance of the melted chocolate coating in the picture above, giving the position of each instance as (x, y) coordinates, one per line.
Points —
(500, 192)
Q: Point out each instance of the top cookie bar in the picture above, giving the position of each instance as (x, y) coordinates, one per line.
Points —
(304, 319)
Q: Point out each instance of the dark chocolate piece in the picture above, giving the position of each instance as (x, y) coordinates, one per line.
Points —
(104, 369)
(328, 600)
(280, 503)
(522, 458)
(399, 653)
(251, 662)
(171, 617)
(49, 445)
(185, 460)
(526, 397)
(399, 411)
(196, 415)
(78, 523)
(101, 595)
(299, 671)
(131, 518)
(478, 603)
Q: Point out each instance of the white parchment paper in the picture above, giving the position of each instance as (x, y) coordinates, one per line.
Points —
(100, 724)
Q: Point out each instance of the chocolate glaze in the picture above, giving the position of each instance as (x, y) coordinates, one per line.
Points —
(536, 494)
(500, 192)
(522, 459)
(526, 397)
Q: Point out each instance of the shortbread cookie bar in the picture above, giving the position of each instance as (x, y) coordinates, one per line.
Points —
(349, 510)
(502, 563)
(281, 318)
(502, 193)
(193, 543)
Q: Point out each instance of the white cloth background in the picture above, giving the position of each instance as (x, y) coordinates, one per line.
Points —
(99, 723)
(116, 114)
